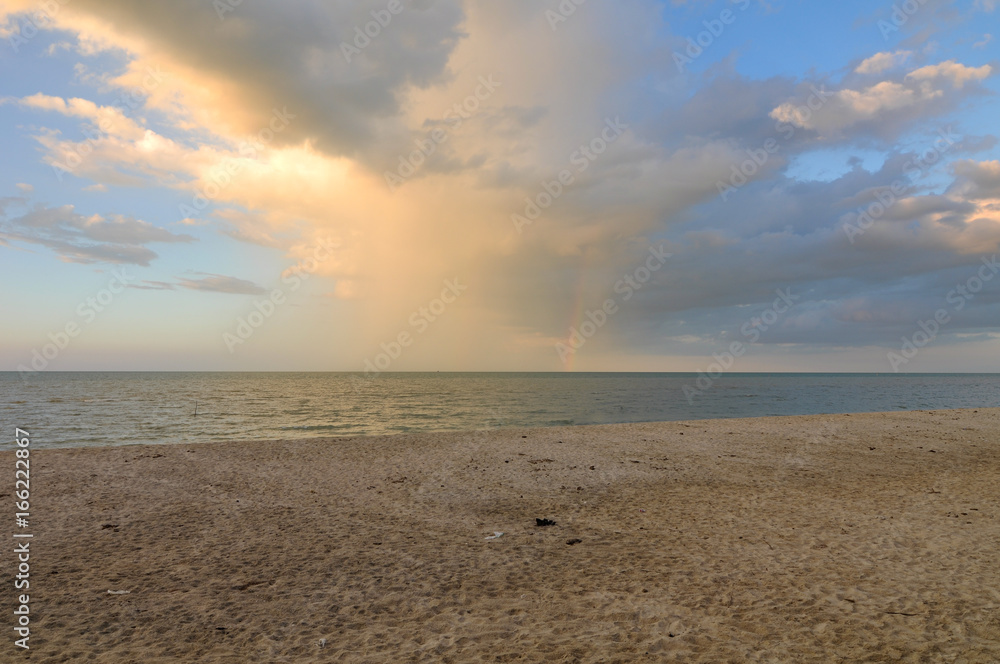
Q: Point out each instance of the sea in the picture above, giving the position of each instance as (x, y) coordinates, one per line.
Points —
(121, 408)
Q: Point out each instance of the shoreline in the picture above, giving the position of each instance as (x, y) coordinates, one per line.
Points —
(795, 538)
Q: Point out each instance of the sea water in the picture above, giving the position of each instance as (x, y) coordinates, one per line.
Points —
(82, 409)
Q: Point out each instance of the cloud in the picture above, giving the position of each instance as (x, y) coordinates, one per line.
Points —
(249, 228)
(953, 71)
(107, 118)
(854, 106)
(25, 188)
(218, 283)
(11, 201)
(116, 149)
(791, 234)
(976, 180)
(87, 239)
(987, 38)
(881, 62)
(210, 283)
(888, 107)
(198, 135)
(153, 285)
(230, 73)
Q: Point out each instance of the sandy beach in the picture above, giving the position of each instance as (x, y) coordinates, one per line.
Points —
(847, 538)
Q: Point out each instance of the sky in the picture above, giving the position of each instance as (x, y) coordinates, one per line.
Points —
(527, 185)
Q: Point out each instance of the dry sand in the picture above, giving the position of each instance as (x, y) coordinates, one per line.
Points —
(861, 538)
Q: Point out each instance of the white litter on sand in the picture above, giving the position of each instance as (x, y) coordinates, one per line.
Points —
(496, 534)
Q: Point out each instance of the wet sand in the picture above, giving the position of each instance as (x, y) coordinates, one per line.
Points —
(846, 538)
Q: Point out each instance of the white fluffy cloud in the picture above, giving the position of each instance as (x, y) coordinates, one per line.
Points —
(881, 62)
(889, 104)
(955, 72)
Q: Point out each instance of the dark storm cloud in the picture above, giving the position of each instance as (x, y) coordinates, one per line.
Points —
(291, 55)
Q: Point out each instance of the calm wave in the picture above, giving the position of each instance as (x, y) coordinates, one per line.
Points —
(72, 409)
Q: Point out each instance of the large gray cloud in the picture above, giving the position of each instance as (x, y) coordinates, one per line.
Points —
(977, 180)
(730, 258)
(278, 55)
